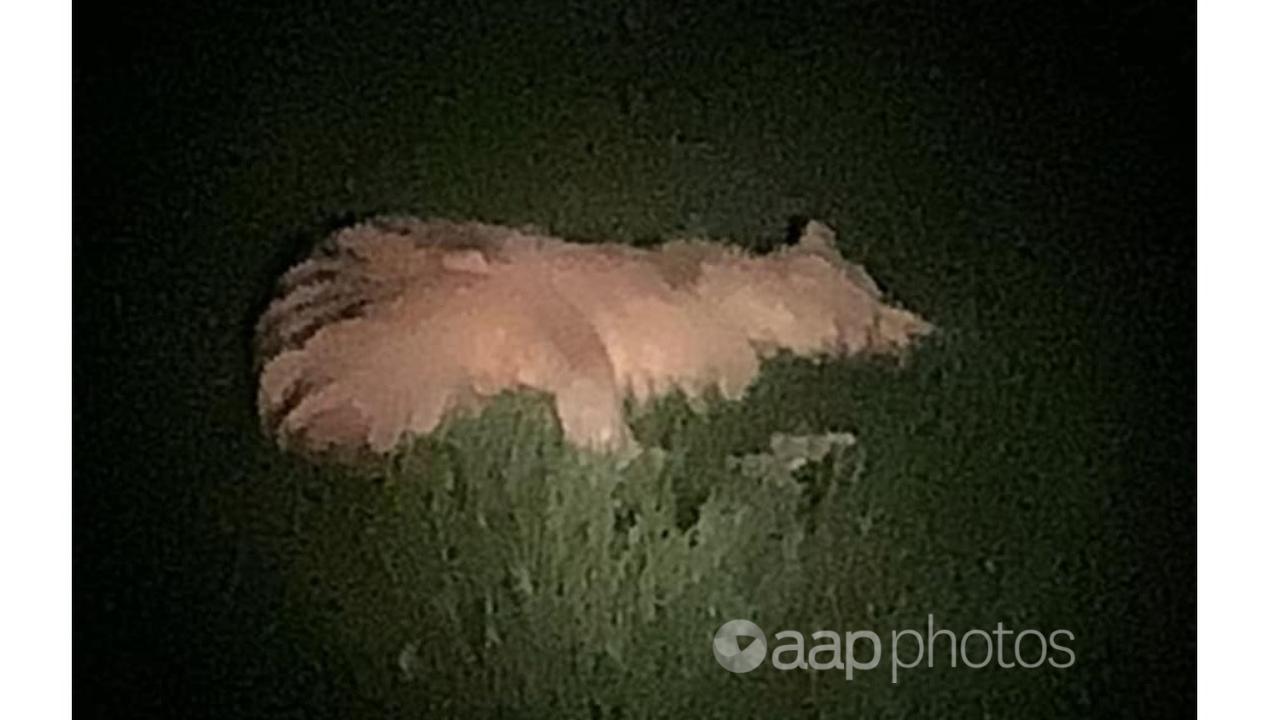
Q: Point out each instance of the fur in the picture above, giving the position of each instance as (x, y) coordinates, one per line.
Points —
(393, 324)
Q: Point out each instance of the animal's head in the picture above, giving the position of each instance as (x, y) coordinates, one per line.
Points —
(808, 299)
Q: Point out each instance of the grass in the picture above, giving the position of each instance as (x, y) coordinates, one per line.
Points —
(1030, 465)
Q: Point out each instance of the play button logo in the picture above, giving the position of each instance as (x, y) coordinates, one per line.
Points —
(739, 646)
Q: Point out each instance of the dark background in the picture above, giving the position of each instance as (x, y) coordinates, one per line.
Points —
(1021, 173)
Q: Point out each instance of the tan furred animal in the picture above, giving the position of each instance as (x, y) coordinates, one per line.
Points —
(395, 323)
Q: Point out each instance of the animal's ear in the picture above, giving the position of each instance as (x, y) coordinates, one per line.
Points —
(468, 261)
(819, 239)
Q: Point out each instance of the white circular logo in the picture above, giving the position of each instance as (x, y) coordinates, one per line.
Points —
(729, 652)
